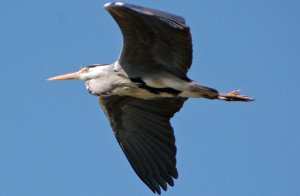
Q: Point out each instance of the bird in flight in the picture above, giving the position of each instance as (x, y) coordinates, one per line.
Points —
(142, 90)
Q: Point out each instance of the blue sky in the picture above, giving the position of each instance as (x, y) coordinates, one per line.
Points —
(55, 140)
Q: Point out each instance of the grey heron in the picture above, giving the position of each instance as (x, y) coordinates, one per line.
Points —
(145, 87)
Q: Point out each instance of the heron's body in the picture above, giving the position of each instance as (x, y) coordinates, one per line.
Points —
(145, 87)
(111, 79)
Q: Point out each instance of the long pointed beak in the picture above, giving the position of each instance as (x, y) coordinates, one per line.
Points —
(69, 76)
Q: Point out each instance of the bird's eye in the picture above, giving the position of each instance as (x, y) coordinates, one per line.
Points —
(85, 69)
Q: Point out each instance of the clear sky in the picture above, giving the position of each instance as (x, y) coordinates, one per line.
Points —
(55, 140)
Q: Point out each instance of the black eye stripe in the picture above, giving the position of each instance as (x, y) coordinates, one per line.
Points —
(96, 65)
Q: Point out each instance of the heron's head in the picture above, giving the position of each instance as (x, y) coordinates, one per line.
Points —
(86, 73)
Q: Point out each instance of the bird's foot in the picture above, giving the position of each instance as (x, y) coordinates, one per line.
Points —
(234, 96)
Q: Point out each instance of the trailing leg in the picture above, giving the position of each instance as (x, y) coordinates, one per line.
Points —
(234, 96)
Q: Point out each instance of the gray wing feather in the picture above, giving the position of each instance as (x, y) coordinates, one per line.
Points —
(152, 40)
(143, 130)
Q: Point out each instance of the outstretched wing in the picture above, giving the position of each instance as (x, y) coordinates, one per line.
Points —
(143, 130)
(152, 40)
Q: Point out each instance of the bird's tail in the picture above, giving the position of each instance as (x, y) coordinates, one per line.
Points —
(196, 90)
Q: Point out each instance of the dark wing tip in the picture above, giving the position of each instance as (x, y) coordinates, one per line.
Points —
(110, 5)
